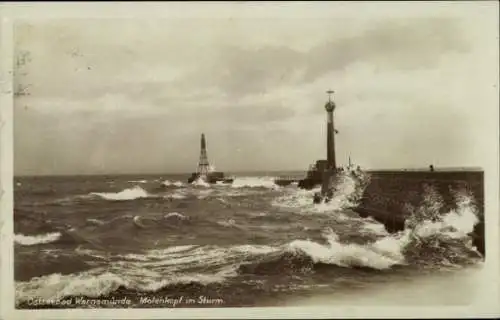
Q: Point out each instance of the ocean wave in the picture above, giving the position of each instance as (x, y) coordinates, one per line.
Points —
(203, 194)
(137, 222)
(200, 182)
(151, 271)
(304, 255)
(175, 215)
(168, 183)
(373, 227)
(429, 238)
(138, 181)
(177, 194)
(227, 223)
(427, 219)
(192, 267)
(95, 222)
(254, 182)
(443, 241)
(127, 194)
(347, 193)
(432, 238)
(37, 239)
(98, 283)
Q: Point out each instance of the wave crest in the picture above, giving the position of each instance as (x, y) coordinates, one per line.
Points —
(168, 183)
(254, 182)
(347, 194)
(127, 194)
(37, 239)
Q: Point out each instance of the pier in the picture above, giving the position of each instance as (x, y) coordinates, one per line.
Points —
(390, 193)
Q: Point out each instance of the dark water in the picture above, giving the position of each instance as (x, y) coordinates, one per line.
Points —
(247, 244)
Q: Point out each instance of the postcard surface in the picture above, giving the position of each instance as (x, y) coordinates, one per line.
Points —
(275, 160)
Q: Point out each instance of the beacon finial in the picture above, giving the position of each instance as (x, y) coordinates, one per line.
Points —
(330, 105)
(330, 92)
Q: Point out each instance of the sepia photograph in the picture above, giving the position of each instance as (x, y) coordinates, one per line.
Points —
(250, 155)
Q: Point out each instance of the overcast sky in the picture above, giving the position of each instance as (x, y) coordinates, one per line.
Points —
(134, 95)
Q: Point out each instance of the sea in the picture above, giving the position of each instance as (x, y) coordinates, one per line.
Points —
(153, 241)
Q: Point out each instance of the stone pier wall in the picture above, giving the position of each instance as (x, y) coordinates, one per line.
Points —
(387, 196)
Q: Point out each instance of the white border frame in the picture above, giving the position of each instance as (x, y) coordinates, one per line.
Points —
(490, 301)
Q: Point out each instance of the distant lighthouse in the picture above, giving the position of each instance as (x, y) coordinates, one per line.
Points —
(203, 164)
(204, 171)
(330, 134)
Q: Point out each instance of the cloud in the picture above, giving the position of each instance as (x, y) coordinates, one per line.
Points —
(134, 95)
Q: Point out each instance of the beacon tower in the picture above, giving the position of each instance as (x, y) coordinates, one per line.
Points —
(330, 134)
(204, 172)
(203, 165)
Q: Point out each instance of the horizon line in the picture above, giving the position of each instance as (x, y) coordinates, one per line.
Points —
(438, 169)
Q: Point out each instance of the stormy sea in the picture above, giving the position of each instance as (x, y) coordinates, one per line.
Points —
(157, 241)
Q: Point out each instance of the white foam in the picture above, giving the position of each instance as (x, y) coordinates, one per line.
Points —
(163, 252)
(169, 183)
(178, 194)
(254, 182)
(146, 272)
(57, 286)
(376, 255)
(127, 194)
(374, 227)
(255, 249)
(175, 215)
(38, 239)
(347, 195)
(95, 221)
(455, 224)
(227, 223)
(201, 182)
(202, 194)
(137, 222)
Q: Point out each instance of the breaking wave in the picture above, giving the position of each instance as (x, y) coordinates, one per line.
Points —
(442, 242)
(148, 272)
(38, 239)
(176, 195)
(95, 222)
(97, 283)
(200, 182)
(169, 183)
(175, 215)
(127, 194)
(304, 255)
(430, 239)
(254, 182)
(347, 194)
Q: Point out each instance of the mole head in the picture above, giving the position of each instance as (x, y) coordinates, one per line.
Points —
(330, 106)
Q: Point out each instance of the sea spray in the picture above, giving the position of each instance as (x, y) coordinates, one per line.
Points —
(434, 238)
(200, 182)
(177, 256)
(348, 193)
(36, 239)
(377, 255)
(127, 194)
(168, 183)
(254, 182)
